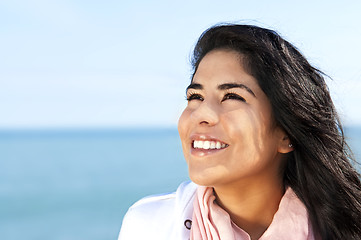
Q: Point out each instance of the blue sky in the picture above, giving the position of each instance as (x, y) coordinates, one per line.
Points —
(126, 63)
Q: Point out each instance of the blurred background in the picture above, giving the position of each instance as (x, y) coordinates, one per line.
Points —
(91, 91)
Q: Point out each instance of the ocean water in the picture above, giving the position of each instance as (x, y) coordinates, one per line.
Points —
(78, 184)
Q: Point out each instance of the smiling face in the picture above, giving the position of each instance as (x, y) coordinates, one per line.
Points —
(227, 130)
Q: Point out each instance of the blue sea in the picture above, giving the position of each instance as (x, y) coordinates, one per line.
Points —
(78, 184)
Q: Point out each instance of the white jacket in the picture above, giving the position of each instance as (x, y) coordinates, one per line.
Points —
(169, 217)
(161, 216)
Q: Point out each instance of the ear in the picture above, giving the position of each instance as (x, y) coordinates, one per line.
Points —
(284, 144)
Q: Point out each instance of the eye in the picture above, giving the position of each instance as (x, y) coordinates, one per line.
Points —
(233, 96)
(194, 96)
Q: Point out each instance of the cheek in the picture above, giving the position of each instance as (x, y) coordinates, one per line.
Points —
(244, 129)
(236, 123)
(183, 124)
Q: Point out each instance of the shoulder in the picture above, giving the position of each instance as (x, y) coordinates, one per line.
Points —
(291, 221)
(162, 203)
(157, 214)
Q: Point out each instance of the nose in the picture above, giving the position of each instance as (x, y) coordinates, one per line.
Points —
(205, 114)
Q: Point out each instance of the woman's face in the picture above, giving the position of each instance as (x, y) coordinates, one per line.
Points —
(227, 130)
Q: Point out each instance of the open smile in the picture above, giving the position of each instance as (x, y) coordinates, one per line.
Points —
(208, 144)
(205, 147)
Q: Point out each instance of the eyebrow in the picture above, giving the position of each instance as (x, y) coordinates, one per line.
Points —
(224, 86)
(195, 86)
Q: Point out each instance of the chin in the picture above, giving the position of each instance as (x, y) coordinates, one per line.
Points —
(202, 179)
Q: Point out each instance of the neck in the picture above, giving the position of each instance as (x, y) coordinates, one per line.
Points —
(251, 204)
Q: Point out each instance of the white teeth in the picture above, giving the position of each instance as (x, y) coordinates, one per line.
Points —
(206, 145)
(209, 144)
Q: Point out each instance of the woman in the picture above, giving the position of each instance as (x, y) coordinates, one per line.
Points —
(264, 146)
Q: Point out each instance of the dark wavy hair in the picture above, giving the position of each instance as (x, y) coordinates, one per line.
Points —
(320, 169)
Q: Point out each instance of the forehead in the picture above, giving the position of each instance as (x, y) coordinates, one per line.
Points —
(223, 66)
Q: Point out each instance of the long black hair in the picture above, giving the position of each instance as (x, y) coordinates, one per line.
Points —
(320, 169)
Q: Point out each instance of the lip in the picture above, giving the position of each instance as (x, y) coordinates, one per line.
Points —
(205, 152)
(205, 137)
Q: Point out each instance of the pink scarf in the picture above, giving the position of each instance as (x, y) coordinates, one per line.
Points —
(211, 222)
